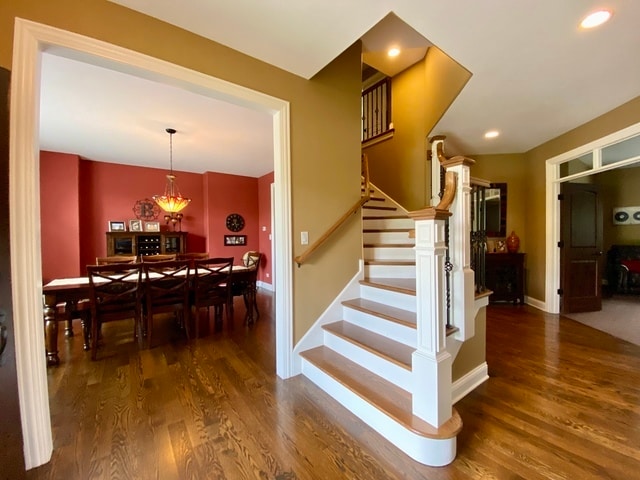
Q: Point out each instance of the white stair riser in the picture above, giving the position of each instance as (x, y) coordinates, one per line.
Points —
(389, 237)
(390, 271)
(388, 297)
(428, 451)
(391, 372)
(390, 253)
(385, 223)
(394, 331)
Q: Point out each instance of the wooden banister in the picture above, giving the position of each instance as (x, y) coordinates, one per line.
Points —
(366, 195)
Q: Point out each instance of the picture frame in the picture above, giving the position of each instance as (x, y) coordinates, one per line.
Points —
(117, 226)
(235, 240)
(151, 226)
(135, 225)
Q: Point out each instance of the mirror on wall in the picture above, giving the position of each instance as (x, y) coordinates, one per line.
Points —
(496, 210)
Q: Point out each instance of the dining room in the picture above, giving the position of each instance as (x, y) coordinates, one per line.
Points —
(85, 204)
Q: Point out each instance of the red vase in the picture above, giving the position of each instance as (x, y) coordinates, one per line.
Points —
(513, 242)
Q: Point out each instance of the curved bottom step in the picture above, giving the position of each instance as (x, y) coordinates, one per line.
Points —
(383, 406)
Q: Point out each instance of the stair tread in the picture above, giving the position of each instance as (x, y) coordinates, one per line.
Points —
(402, 263)
(401, 285)
(387, 217)
(378, 207)
(391, 350)
(386, 230)
(388, 245)
(393, 314)
(385, 396)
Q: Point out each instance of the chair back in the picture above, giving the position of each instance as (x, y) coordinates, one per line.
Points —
(116, 259)
(252, 259)
(211, 281)
(157, 258)
(193, 256)
(166, 283)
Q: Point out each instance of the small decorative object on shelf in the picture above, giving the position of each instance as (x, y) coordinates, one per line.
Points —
(513, 242)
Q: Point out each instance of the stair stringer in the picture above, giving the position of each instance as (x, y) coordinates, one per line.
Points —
(315, 335)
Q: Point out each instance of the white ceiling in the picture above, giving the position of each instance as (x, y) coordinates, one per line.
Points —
(536, 75)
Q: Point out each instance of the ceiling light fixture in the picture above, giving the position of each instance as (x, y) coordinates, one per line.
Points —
(491, 134)
(172, 201)
(393, 52)
(596, 18)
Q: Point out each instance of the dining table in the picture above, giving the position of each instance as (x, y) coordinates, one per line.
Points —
(73, 290)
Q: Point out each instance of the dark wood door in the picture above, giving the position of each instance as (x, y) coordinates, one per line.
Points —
(581, 248)
(10, 426)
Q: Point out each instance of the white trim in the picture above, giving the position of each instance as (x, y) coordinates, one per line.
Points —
(469, 382)
(428, 451)
(534, 302)
(30, 39)
(553, 181)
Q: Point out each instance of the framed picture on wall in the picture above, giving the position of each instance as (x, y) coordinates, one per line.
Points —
(151, 226)
(135, 225)
(116, 226)
(235, 240)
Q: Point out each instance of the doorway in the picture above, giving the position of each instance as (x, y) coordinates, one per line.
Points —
(30, 39)
(619, 149)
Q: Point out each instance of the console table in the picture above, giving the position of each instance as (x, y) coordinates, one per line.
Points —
(504, 275)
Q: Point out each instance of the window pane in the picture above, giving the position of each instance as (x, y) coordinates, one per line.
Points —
(577, 165)
(621, 151)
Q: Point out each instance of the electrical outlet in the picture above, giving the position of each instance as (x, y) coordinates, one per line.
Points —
(304, 238)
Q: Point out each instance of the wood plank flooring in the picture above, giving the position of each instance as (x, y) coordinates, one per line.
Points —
(562, 402)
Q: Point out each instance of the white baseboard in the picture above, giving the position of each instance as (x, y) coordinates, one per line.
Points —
(265, 285)
(467, 383)
(534, 302)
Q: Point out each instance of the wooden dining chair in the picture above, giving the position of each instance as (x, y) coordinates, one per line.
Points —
(114, 294)
(116, 259)
(166, 290)
(245, 284)
(211, 287)
(192, 256)
(157, 258)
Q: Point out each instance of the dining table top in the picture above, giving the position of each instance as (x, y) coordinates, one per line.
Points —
(80, 282)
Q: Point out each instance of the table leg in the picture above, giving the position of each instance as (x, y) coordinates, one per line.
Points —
(51, 330)
(70, 308)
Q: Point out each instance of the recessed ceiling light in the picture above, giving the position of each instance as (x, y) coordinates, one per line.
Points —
(491, 134)
(596, 18)
(393, 52)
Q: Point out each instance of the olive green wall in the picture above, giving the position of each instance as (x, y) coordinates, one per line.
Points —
(420, 96)
(473, 352)
(325, 125)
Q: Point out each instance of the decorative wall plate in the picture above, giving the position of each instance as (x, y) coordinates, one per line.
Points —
(146, 209)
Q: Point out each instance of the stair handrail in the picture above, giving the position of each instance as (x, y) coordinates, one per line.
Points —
(365, 197)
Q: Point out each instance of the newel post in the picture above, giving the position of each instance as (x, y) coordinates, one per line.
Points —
(462, 275)
(431, 362)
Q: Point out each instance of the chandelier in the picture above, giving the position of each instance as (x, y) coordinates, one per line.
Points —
(172, 201)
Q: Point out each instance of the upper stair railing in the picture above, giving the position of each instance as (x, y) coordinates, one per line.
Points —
(365, 196)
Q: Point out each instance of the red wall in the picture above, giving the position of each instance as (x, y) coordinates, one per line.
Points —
(79, 197)
(60, 224)
(264, 227)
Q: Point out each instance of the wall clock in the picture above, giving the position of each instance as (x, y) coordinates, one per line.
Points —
(235, 222)
(146, 209)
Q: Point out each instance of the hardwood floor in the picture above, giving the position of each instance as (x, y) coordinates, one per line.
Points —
(563, 402)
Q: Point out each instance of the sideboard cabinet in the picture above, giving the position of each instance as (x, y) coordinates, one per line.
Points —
(504, 275)
(146, 243)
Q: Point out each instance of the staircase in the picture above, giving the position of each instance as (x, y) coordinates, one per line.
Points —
(365, 361)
